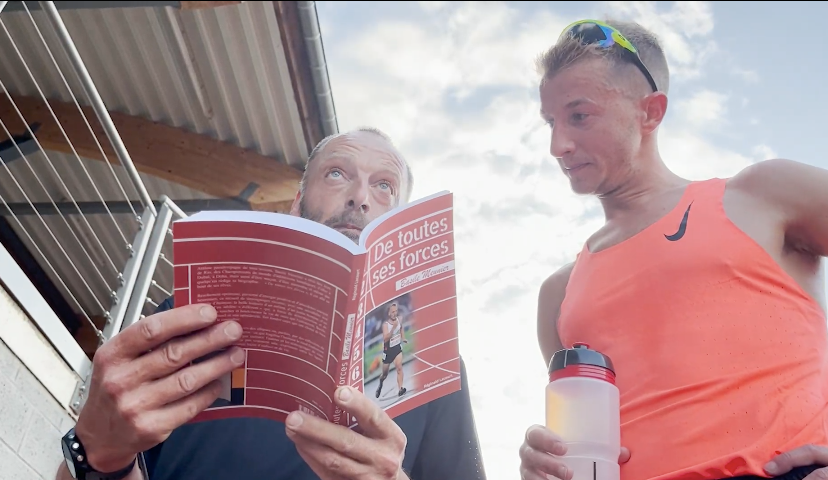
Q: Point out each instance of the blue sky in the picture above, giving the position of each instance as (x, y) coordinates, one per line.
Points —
(454, 85)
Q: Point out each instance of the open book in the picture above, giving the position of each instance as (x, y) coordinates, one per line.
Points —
(321, 311)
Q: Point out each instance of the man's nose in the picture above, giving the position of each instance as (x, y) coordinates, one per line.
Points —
(359, 196)
(562, 145)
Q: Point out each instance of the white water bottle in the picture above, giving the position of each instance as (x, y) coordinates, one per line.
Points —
(582, 406)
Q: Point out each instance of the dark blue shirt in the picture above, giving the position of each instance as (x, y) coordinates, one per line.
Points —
(442, 445)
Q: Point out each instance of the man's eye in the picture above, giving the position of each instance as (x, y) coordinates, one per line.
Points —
(579, 117)
(385, 185)
(335, 174)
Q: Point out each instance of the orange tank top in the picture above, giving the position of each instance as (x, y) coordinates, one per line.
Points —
(721, 358)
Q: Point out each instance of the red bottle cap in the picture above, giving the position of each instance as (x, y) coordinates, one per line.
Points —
(581, 361)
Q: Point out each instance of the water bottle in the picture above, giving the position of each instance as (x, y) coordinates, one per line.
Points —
(582, 406)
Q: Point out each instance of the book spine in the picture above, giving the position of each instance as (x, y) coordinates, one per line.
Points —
(350, 370)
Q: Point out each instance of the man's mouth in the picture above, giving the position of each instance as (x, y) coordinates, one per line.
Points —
(575, 168)
(347, 226)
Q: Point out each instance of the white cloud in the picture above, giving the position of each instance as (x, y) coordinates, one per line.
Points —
(683, 31)
(763, 152)
(750, 76)
(457, 93)
(705, 109)
(432, 7)
(688, 154)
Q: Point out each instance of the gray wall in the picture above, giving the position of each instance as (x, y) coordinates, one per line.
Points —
(31, 423)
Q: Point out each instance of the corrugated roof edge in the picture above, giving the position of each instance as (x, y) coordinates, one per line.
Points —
(306, 59)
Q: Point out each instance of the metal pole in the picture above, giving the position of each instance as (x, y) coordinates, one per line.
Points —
(179, 211)
(142, 284)
(130, 275)
(309, 23)
(2, 5)
(98, 104)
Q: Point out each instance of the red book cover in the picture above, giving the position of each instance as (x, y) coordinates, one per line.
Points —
(320, 311)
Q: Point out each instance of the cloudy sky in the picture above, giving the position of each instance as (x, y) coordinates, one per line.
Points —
(454, 85)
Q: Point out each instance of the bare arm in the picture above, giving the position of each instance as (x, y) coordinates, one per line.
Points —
(144, 384)
(550, 298)
(799, 192)
(386, 332)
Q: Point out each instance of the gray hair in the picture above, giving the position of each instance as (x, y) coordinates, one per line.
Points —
(405, 194)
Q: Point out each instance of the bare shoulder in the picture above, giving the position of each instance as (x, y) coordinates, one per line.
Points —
(779, 182)
(550, 298)
(793, 190)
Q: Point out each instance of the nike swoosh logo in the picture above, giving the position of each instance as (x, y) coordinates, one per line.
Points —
(682, 227)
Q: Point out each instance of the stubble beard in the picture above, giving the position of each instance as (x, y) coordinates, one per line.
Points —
(342, 217)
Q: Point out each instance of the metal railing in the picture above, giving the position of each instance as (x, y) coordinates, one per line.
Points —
(143, 270)
(110, 268)
(149, 288)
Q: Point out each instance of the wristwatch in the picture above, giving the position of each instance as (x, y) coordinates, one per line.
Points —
(78, 466)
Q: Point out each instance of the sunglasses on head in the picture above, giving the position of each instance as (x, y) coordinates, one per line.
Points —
(593, 32)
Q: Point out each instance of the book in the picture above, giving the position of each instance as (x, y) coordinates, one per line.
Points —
(320, 311)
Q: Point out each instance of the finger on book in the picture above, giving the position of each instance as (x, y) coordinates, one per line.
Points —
(317, 431)
(372, 420)
(150, 332)
(192, 378)
(327, 462)
(197, 347)
(175, 414)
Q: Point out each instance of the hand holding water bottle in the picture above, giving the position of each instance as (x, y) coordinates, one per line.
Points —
(539, 455)
(582, 436)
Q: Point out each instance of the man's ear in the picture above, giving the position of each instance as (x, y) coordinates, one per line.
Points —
(294, 208)
(655, 105)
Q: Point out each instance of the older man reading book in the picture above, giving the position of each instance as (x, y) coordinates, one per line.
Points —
(144, 390)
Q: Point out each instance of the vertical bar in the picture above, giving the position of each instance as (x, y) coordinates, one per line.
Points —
(98, 104)
(133, 266)
(147, 270)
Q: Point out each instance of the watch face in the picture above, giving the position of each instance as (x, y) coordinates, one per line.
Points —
(70, 463)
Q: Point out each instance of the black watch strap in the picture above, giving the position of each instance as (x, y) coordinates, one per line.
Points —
(78, 465)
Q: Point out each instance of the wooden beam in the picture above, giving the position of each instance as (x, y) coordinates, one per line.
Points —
(175, 154)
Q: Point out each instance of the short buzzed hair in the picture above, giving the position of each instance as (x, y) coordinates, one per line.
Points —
(317, 150)
(569, 50)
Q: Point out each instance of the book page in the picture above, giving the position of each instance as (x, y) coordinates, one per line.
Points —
(289, 290)
(408, 297)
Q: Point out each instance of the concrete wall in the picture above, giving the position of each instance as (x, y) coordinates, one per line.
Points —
(32, 420)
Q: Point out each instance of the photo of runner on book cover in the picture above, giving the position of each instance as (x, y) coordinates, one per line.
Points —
(389, 348)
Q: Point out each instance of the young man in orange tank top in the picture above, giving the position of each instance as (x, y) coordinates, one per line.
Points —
(708, 296)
